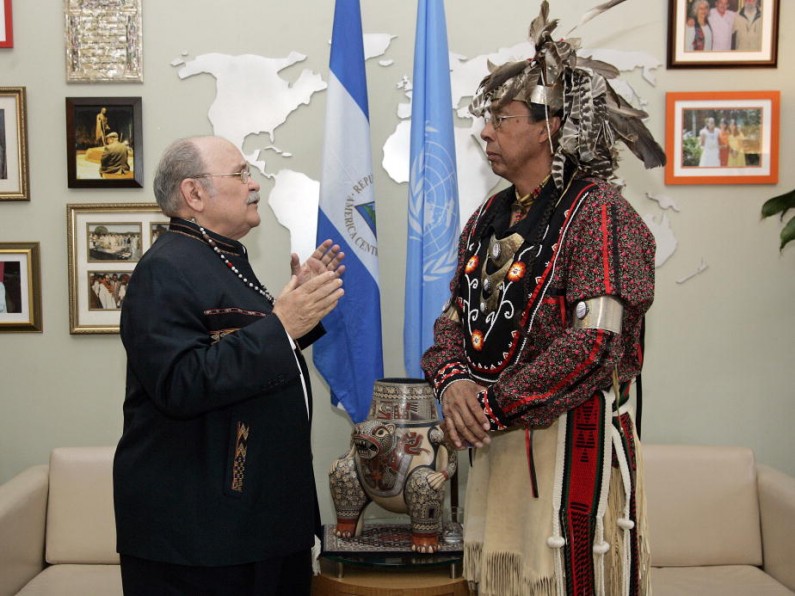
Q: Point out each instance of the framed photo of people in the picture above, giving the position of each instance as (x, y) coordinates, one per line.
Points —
(723, 33)
(6, 25)
(722, 137)
(104, 142)
(20, 287)
(14, 177)
(105, 242)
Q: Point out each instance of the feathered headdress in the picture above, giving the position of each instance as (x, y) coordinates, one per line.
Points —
(594, 116)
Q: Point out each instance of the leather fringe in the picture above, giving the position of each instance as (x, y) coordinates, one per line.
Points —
(472, 554)
(501, 573)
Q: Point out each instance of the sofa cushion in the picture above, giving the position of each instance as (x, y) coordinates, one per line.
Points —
(76, 580)
(81, 526)
(718, 580)
(702, 506)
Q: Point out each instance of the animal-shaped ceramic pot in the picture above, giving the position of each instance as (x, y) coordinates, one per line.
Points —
(398, 458)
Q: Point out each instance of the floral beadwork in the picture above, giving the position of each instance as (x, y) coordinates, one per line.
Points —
(477, 339)
(517, 271)
(472, 264)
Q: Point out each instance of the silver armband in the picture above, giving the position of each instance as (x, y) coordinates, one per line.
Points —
(604, 312)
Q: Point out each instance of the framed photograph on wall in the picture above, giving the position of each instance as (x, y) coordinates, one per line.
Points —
(104, 142)
(729, 137)
(722, 33)
(20, 287)
(105, 242)
(14, 177)
(6, 25)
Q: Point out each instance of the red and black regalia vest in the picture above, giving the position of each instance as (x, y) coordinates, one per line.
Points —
(507, 274)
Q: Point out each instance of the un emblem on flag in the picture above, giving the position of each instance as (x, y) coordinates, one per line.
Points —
(433, 208)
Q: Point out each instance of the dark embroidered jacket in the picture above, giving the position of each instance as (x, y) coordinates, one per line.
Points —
(214, 464)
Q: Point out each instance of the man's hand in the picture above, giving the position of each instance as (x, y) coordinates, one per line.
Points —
(465, 424)
(327, 257)
(300, 308)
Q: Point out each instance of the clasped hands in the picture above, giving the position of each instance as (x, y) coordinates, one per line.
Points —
(465, 424)
(313, 290)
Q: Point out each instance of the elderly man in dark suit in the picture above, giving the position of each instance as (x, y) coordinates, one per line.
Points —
(213, 481)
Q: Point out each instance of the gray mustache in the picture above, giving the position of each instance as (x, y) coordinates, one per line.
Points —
(253, 197)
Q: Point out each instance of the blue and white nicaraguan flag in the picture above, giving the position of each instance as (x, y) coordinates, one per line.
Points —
(350, 355)
(433, 188)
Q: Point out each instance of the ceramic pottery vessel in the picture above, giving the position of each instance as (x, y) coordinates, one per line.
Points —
(399, 459)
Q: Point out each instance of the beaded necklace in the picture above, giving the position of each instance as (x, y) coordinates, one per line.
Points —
(522, 204)
(259, 290)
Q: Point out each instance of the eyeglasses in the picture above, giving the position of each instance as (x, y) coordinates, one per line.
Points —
(244, 175)
(497, 120)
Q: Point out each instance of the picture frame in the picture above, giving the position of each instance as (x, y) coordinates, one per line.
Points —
(95, 157)
(701, 152)
(734, 41)
(14, 175)
(20, 287)
(105, 242)
(6, 25)
(104, 41)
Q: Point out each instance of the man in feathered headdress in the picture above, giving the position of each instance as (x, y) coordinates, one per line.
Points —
(534, 356)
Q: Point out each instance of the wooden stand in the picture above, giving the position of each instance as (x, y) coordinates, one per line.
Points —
(359, 581)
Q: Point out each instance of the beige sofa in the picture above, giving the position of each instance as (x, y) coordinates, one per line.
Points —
(57, 531)
(720, 525)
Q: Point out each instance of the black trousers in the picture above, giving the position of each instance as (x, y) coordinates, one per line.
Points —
(277, 576)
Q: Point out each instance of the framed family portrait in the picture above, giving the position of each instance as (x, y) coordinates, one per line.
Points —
(104, 142)
(722, 33)
(14, 177)
(729, 137)
(20, 287)
(105, 242)
(6, 25)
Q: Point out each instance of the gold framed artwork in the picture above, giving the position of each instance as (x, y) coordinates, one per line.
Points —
(105, 242)
(723, 33)
(14, 176)
(104, 41)
(722, 137)
(20, 287)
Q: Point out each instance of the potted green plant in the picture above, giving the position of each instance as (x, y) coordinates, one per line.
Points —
(781, 204)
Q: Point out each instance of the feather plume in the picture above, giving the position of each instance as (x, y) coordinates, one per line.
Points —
(617, 104)
(605, 69)
(634, 134)
(504, 73)
(625, 110)
(595, 12)
(594, 115)
(541, 23)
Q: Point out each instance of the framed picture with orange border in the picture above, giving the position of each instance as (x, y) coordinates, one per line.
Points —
(722, 137)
